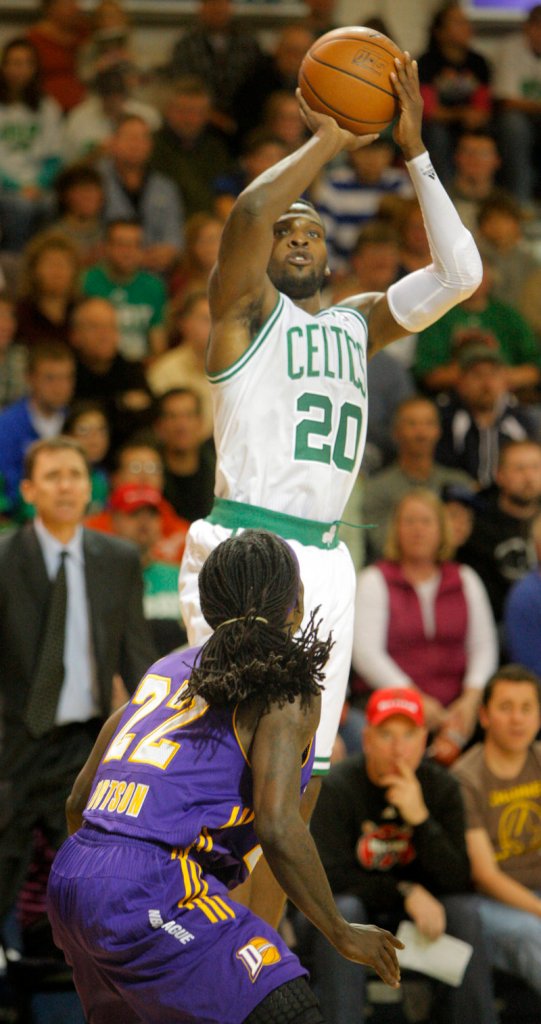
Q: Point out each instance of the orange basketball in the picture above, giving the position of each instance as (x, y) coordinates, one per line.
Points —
(346, 74)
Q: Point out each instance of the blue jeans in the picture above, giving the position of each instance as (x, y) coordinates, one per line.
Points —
(340, 984)
(513, 938)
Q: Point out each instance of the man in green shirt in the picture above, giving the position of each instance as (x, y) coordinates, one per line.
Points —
(138, 296)
(479, 319)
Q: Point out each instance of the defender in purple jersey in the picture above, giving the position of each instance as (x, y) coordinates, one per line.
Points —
(203, 768)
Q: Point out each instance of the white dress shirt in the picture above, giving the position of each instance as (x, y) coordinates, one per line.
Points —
(78, 696)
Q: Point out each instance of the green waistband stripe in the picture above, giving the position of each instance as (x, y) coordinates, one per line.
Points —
(321, 766)
(235, 514)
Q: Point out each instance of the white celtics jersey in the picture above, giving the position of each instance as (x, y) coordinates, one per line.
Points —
(290, 414)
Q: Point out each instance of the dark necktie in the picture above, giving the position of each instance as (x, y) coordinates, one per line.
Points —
(40, 711)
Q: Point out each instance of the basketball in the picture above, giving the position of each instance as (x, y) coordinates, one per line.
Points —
(346, 74)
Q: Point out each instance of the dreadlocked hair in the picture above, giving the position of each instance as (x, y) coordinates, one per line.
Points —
(247, 587)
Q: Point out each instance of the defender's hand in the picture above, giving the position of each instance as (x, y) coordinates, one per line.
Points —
(367, 944)
(314, 121)
(407, 132)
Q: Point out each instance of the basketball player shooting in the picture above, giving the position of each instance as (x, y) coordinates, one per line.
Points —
(289, 382)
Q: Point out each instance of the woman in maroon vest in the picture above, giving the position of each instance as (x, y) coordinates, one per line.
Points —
(423, 620)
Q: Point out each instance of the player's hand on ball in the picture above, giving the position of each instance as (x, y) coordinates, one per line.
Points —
(407, 131)
(314, 121)
(367, 944)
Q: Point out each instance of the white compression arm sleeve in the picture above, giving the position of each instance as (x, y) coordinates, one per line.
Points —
(420, 298)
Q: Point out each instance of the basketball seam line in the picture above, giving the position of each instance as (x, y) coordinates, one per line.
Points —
(348, 117)
(317, 45)
(342, 71)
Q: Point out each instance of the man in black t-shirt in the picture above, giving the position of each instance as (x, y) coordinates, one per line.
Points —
(103, 374)
(500, 547)
(189, 460)
(389, 828)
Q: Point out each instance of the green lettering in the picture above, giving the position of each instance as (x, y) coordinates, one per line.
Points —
(337, 331)
(327, 369)
(312, 350)
(291, 372)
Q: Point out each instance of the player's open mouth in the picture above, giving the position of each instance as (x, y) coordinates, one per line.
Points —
(300, 260)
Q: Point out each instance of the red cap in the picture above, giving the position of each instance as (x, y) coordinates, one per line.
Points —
(397, 701)
(132, 497)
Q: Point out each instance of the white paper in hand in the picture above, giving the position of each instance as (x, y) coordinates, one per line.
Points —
(445, 958)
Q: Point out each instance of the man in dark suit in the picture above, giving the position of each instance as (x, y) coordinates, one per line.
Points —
(71, 618)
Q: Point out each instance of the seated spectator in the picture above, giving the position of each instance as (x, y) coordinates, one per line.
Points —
(187, 149)
(500, 780)
(406, 216)
(517, 88)
(348, 195)
(320, 17)
(389, 828)
(273, 72)
(135, 512)
(522, 613)
(500, 237)
(139, 461)
(481, 319)
(459, 505)
(80, 198)
(58, 37)
(135, 192)
(189, 461)
(48, 289)
(501, 548)
(455, 86)
(476, 163)
(415, 431)
(91, 124)
(13, 357)
(389, 384)
(30, 146)
(282, 117)
(137, 295)
(424, 621)
(480, 416)
(223, 52)
(203, 234)
(103, 374)
(374, 262)
(184, 365)
(87, 423)
(260, 150)
(109, 44)
(40, 414)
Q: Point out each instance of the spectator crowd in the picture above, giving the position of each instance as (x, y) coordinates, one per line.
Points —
(115, 183)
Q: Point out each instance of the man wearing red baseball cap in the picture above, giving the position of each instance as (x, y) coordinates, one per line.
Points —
(135, 515)
(389, 827)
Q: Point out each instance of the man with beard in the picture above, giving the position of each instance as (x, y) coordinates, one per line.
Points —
(481, 416)
(289, 379)
(501, 548)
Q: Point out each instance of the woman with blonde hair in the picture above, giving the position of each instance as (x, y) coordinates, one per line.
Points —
(424, 621)
(48, 288)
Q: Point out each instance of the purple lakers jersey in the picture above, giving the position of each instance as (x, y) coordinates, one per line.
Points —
(175, 773)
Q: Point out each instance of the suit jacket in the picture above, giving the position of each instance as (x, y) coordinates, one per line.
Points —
(121, 637)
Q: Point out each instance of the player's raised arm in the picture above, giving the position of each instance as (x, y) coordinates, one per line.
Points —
(241, 294)
(280, 739)
(421, 298)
